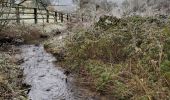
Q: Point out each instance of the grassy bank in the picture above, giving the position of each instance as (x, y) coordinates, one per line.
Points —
(17, 34)
(128, 58)
(11, 75)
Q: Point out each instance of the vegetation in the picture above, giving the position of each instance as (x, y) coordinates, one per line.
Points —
(19, 34)
(128, 58)
(10, 78)
(11, 75)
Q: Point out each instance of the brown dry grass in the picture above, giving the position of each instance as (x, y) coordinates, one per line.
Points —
(22, 32)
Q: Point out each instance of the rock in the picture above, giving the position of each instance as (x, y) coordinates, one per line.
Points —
(26, 85)
(43, 36)
(67, 73)
(37, 44)
(48, 89)
(42, 76)
(66, 80)
(28, 91)
(19, 62)
(19, 41)
(20, 76)
(59, 56)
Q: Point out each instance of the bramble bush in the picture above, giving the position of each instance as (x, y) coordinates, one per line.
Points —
(128, 58)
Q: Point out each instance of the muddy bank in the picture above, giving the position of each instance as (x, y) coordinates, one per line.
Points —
(48, 81)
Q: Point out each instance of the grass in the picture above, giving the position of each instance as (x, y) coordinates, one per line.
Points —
(10, 79)
(127, 58)
(23, 33)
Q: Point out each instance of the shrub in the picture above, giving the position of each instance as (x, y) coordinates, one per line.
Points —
(127, 58)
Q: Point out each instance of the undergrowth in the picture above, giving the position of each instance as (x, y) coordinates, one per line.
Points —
(10, 79)
(20, 33)
(128, 58)
(11, 75)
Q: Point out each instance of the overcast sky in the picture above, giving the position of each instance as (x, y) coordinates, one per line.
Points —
(63, 2)
(72, 5)
(118, 1)
(69, 2)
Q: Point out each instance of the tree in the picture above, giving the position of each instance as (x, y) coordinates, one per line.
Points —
(125, 4)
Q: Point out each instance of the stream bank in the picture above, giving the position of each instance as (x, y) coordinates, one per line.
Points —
(47, 80)
(44, 79)
(11, 75)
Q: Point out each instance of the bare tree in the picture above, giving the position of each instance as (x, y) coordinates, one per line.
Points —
(142, 6)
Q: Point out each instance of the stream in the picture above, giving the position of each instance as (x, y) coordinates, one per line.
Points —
(47, 80)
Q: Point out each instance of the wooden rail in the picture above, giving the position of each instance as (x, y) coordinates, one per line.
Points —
(35, 12)
(56, 16)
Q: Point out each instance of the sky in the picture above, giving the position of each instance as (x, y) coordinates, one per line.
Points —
(69, 2)
(63, 2)
(118, 1)
(72, 5)
(69, 8)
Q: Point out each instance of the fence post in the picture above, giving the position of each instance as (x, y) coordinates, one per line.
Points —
(67, 17)
(47, 16)
(61, 15)
(55, 17)
(17, 15)
(3, 4)
(35, 15)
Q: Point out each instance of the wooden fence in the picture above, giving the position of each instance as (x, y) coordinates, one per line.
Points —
(56, 16)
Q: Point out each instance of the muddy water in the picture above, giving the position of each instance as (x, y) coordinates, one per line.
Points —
(46, 79)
